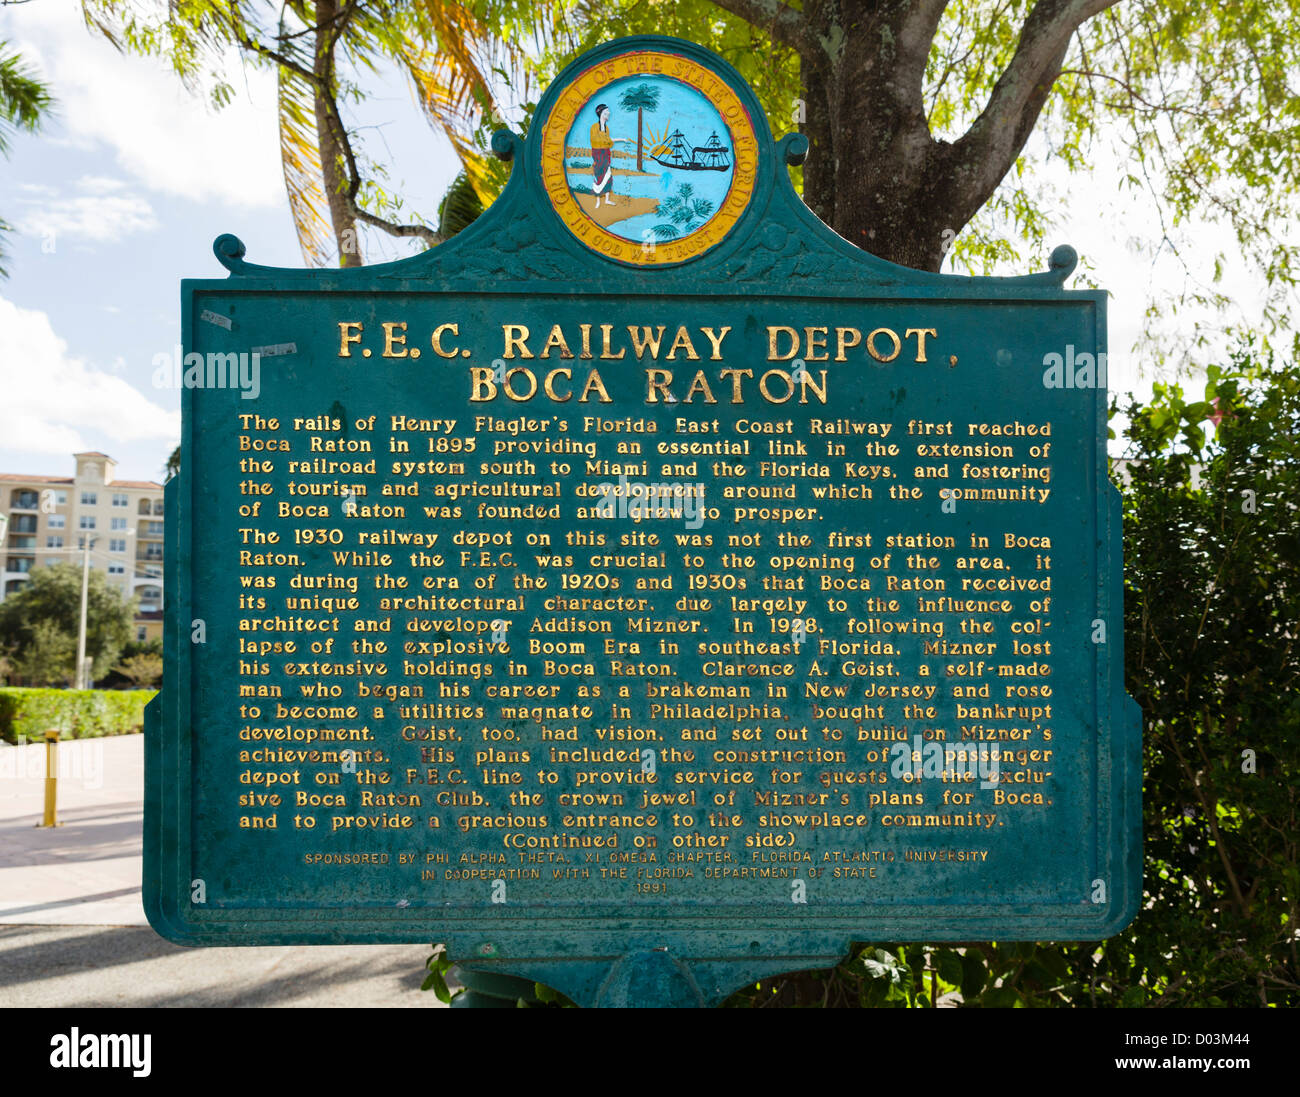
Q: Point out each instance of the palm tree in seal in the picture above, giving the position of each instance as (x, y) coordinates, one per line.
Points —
(641, 98)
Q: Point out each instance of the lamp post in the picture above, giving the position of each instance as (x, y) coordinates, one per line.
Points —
(82, 680)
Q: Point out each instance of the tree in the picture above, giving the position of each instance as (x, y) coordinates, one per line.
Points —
(48, 657)
(24, 104)
(448, 51)
(919, 115)
(42, 619)
(641, 98)
(143, 670)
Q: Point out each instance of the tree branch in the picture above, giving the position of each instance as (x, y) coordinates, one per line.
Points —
(996, 137)
(425, 233)
(913, 38)
(322, 84)
(786, 26)
(916, 35)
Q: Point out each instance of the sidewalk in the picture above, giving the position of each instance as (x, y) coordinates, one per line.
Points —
(87, 871)
(73, 930)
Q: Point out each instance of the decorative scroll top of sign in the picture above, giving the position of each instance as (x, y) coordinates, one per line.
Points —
(649, 157)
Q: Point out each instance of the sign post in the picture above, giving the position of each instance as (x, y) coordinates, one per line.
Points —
(646, 590)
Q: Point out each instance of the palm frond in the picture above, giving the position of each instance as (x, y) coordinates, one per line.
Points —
(24, 100)
(300, 159)
(460, 208)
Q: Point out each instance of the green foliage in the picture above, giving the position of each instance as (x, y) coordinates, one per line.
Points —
(26, 714)
(142, 647)
(438, 965)
(141, 670)
(24, 104)
(24, 100)
(460, 207)
(41, 619)
(548, 998)
(47, 656)
(115, 679)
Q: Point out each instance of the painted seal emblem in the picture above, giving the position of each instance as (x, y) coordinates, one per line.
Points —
(649, 158)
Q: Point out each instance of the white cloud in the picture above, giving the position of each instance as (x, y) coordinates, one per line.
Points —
(101, 218)
(99, 184)
(161, 135)
(57, 404)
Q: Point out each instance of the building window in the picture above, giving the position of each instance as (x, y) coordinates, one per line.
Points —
(141, 634)
(86, 521)
(117, 523)
(61, 498)
(23, 523)
(89, 498)
(54, 540)
(158, 506)
(23, 499)
(120, 499)
(116, 569)
(154, 529)
(56, 521)
(152, 551)
(19, 563)
(117, 544)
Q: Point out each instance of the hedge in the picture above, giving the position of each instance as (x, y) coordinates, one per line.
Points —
(76, 713)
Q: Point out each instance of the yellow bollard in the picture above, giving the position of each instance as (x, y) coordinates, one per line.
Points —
(51, 779)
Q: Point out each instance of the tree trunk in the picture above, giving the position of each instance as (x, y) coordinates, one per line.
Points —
(874, 173)
(819, 168)
(639, 165)
(333, 173)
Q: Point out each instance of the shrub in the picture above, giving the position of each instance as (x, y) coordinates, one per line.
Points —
(76, 713)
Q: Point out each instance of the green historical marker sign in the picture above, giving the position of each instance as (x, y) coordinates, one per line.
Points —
(646, 588)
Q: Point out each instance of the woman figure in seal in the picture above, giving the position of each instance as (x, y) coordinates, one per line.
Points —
(602, 145)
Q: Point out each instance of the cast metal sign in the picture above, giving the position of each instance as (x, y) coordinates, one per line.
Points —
(645, 587)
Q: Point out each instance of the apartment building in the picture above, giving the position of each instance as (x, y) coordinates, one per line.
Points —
(46, 519)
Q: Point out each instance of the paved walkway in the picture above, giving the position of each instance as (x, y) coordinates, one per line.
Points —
(73, 930)
(86, 871)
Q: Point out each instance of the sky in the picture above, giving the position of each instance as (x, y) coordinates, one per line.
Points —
(123, 193)
(116, 201)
